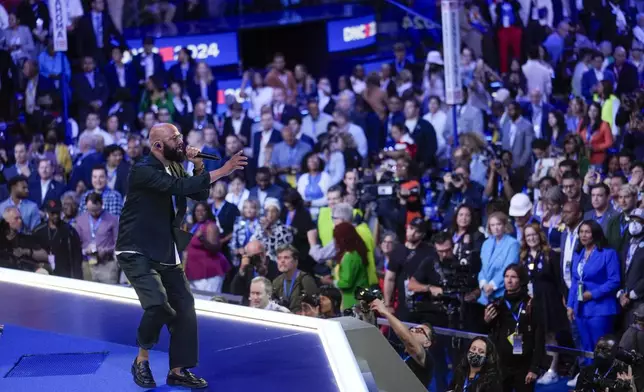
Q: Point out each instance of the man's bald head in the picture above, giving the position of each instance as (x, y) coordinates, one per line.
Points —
(254, 248)
(571, 213)
(620, 55)
(167, 142)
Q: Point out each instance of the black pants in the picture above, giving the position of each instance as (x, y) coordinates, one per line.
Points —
(164, 293)
(514, 379)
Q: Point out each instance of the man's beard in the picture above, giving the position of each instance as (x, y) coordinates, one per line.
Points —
(174, 155)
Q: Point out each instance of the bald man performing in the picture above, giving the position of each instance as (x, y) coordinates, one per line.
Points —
(148, 248)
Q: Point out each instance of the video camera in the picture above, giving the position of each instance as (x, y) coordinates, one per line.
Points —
(630, 357)
(361, 310)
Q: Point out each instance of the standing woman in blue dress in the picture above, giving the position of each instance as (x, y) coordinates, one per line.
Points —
(592, 299)
(498, 252)
(551, 221)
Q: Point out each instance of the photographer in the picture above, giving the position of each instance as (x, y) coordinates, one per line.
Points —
(606, 373)
(445, 293)
(459, 190)
(325, 305)
(417, 341)
(516, 332)
(254, 262)
(632, 293)
(633, 341)
(502, 181)
(292, 283)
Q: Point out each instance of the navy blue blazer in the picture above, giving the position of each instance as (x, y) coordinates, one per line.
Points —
(175, 74)
(83, 93)
(122, 173)
(245, 130)
(275, 138)
(54, 191)
(272, 191)
(601, 278)
(194, 91)
(82, 170)
(546, 108)
(159, 67)
(288, 113)
(112, 79)
(589, 80)
(627, 78)
(12, 171)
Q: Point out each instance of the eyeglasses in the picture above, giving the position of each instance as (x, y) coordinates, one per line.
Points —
(419, 330)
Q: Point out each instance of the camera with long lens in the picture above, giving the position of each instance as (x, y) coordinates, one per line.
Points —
(600, 383)
(311, 299)
(630, 357)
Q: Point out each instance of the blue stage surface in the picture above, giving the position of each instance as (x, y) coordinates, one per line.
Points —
(237, 353)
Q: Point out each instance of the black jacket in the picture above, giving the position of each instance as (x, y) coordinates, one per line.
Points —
(634, 275)
(148, 217)
(529, 327)
(65, 244)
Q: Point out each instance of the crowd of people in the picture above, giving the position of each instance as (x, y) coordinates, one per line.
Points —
(523, 220)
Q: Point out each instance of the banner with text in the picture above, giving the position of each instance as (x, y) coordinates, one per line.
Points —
(451, 51)
(348, 34)
(58, 11)
(214, 49)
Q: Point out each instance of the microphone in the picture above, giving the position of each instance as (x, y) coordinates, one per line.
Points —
(207, 156)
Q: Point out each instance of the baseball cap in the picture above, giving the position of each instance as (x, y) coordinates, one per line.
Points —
(53, 206)
(419, 224)
(520, 205)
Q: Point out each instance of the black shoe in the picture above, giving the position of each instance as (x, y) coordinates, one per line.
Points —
(143, 375)
(186, 379)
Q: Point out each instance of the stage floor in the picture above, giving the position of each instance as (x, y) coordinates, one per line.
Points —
(234, 355)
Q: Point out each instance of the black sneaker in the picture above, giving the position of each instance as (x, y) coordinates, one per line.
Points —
(186, 379)
(143, 375)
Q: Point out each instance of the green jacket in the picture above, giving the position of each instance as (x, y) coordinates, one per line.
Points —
(351, 273)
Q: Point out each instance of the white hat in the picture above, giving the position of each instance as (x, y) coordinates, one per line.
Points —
(272, 202)
(520, 205)
(501, 95)
(434, 57)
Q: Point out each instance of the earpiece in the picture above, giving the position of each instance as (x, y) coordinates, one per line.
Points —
(157, 145)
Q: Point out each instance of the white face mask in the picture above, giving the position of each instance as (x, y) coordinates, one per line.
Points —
(635, 228)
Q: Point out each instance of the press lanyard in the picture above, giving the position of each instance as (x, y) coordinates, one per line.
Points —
(195, 228)
(290, 290)
(249, 233)
(216, 210)
(93, 226)
(515, 316)
(552, 226)
(622, 228)
(51, 236)
(466, 386)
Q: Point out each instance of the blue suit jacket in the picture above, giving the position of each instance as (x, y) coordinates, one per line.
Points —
(588, 80)
(82, 170)
(546, 108)
(495, 258)
(272, 191)
(54, 191)
(112, 79)
(275, 138)
(601, 278)
(175, 74)
(194, 91)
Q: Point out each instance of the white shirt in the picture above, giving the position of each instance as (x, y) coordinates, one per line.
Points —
(266, 137)
(259, 98)
(107, 138)
(120, 73)
(148, 65)
(359, 138)
(537, 76)
(568, 251)
(537, 116)
(238, 201)
(513, 133)
(438, 121)
(237, 125)
(411, 124)
(599, 75)
(323, 100)
(44, 187)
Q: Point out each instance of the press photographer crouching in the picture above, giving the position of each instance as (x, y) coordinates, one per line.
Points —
(292, 283)
(633, 341)
(416, 341)
(611, 369)
(446, 289)
(324, 305)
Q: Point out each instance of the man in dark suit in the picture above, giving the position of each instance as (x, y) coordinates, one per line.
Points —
(84, 162)
(632, 293)
(119, 75)
(591, 78)
(282, 112)
(536, 112)
(265, 187)
(40, 95)
(401, 61)
(517, 135)
(148, 248)
(571, 216)
(267, 136)
(96, 33)
(423, 134)
(625, 71)
(22, 165)
(147, 63)
(8, 83)
(183, 72)
(90, 90)
(44, 188)
(238, 124)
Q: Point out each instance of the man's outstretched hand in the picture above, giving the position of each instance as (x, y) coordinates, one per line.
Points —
(236, 162)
